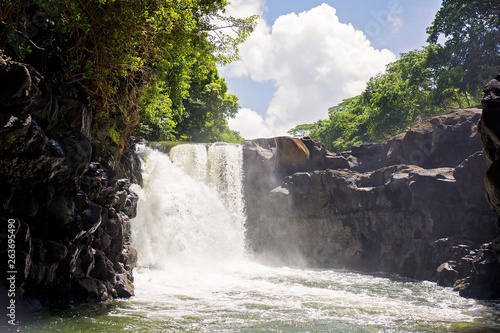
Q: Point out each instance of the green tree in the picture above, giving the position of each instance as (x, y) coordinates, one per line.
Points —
(391, 102)
(200, 115)
(302, 130)
(207, 108)
(157, 117)
(199, 104)
(345, 127)
(404, 93)
(471, 52)
(120, 50)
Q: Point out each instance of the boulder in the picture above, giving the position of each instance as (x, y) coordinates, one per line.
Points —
(441, 141)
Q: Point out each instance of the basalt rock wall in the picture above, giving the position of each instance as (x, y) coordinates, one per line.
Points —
(484, 280)
(64, 193)
(413, 206)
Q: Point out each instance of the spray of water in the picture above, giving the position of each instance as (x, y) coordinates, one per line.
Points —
(184, 220)
(194, 274)
(192, 159)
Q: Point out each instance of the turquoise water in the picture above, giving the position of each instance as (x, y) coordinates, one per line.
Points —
(194, 274)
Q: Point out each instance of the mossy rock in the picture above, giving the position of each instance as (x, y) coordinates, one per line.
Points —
(165, 146)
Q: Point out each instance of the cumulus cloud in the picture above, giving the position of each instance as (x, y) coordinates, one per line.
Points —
(244, 8)
(250, 124)
(313, 60)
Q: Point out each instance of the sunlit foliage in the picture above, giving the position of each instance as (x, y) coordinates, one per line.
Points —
(121, 52)
(422, 83)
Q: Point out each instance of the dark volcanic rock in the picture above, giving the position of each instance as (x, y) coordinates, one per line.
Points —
(414, 206)
(442, 141)
(481, 278)
(66, 186)
(490, 134)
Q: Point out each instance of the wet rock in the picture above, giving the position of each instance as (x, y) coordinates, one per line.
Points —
(119, 200)
(132, 257)
(91, 217)
(85, 262)
(130, 207)
(102, 266)
(408, 206)
(24, 262)
(482, 267)
(37, 273)
(447, 275)
(61, 209)
(101, 240)
(57, 251)
(489, 127)
(483, 281)
(77, 152)
(73, 253)
(61, 176)
(92, 290)
(123, 286)
(23, 237)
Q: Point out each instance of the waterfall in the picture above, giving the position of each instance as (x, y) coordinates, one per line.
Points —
(193, 274)
(225, 174)
(191, 209)
(192, 158)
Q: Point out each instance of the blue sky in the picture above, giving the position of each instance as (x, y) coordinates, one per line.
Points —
(306, 56)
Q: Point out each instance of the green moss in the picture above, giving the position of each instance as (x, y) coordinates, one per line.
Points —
(164, 146)
(114, 135)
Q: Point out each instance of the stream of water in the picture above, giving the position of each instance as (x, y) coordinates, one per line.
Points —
(195, 275)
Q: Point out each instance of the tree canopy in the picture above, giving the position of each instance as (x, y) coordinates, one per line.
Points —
(423, 82)
(470, 56)
(121, 52)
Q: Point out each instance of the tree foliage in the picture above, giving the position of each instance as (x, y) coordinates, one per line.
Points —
(200, 116)
(123, 51)
(422, 83)
(471, 52)
(391, 102)
(207, 108)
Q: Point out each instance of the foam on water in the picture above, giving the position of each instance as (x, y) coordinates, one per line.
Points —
(215, 284)
(183, 221)
(194, 275)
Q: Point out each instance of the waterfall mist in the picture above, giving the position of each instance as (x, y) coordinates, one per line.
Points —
(194, 272)
(192, 212)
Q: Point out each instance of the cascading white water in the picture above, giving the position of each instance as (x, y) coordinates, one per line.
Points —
(225, 175)
(183, 220)
(192, 158)
(193, 274)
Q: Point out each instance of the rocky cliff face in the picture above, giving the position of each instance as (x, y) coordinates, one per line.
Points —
(484, 279)
(413, 206)
(64, 193)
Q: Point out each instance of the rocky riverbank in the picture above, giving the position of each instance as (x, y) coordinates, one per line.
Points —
(65, 188)
(413, 206)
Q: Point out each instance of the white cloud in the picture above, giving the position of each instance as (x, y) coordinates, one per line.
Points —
(250, 124)
(313, 60)
(244, 8)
